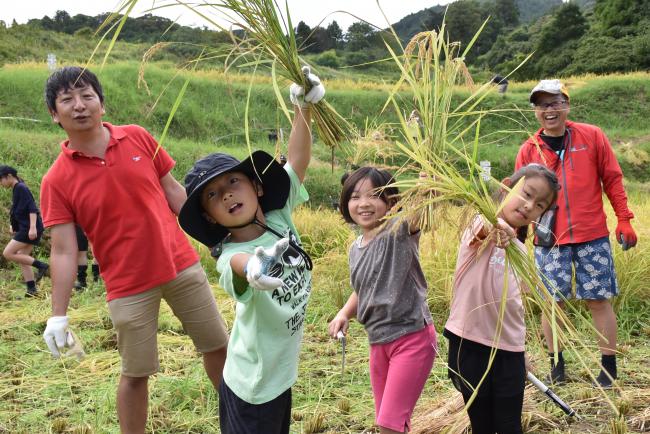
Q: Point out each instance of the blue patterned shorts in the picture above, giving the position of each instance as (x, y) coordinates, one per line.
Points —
(594, 269)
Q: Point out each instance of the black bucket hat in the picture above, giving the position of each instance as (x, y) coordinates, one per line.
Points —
(260, 166)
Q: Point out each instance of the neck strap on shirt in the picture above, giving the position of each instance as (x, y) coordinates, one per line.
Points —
(218, 249)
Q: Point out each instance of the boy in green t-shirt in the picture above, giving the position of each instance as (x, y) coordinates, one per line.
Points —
(243, 211)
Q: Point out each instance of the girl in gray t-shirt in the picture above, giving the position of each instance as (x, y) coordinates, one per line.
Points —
(389, 297)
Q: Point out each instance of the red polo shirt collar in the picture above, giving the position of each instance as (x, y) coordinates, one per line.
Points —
(115, 133)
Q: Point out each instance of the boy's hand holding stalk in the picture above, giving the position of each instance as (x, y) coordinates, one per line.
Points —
(314, 94)
(259, 265)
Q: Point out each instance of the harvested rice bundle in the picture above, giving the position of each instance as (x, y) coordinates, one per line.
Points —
(445, 147)
(272, 40)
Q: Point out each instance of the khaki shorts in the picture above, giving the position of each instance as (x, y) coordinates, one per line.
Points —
(135, 319)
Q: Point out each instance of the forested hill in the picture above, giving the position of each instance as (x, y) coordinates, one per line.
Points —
(565, 37)
(527, 10)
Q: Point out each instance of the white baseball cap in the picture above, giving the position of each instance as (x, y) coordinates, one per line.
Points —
(554, 87)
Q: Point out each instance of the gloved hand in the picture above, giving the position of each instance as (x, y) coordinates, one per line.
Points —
(625, 235)
(315, 94)
(258, 266)
(56, 335)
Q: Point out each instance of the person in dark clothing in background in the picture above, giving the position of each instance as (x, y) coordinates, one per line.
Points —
(82, 261)
(26, 227)
(501, 82)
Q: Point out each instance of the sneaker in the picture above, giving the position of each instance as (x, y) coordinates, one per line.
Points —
(557, 374)
(603, 380)
(41, 272)
(30, 293)
(80, 285)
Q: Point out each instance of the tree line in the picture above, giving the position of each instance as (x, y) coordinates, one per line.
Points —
(581, 36)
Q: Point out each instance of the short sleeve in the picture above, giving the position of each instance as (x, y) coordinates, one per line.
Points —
(297, 194)
(404, 230)
(54, 206)
(162, 161)
(225, 279)
(469, 235)
(24, 201)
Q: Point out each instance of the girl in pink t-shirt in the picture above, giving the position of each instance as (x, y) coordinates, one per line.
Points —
(389, 298)
(474, 313)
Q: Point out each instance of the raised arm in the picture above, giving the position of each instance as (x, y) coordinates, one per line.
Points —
(415, 220)
(299, 149)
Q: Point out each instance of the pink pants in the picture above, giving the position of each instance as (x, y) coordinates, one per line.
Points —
(398, 372)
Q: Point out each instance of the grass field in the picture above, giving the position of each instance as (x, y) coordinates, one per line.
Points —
(211, 115)
(40, 395)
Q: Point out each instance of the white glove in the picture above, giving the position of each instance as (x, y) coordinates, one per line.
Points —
(56, 335)
(297, 92)
(260, 263)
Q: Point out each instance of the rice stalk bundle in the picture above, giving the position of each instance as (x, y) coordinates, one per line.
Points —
(374, 143)
(444, 148)
(268, 38)
(448, 416)
(431, 67)
(447, 413)
(272, 40)
(641, 420)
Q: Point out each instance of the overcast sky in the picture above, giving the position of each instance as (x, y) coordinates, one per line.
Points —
(309, 11)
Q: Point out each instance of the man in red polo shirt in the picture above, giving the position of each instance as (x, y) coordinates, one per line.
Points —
(115, 182)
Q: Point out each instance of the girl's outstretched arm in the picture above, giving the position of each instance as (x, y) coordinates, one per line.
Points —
(415, 221)
(342, 319)
(501, 235)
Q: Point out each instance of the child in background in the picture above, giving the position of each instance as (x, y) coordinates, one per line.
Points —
(27, 228)
(474, 313)
(82, 261)
(244, 209)
(389, 298)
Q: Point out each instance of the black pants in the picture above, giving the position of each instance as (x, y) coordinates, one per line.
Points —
(237, 416)
(82, 240)
(489, 415)
(499, 401)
